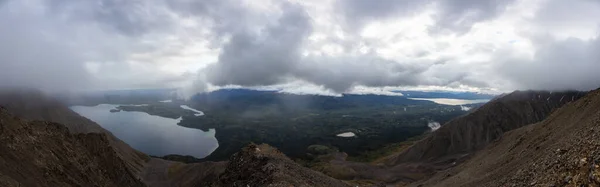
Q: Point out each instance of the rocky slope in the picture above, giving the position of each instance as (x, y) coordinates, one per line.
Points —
(41, 153)
(562, 150)
(34, 105)
(467, 134)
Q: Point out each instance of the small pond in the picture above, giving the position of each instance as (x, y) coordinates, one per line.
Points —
(347, 135)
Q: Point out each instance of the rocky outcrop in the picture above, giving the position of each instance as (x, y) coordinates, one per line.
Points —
(262, 165)
(472, 132)
(562, 150)
(41, 153)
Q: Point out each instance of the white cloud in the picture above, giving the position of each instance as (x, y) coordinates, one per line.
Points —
(434, 125)
(465, 108)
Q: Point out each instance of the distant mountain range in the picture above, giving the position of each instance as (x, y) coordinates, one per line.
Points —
(241, 99)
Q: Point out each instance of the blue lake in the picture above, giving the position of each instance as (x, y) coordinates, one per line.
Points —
(153, 135)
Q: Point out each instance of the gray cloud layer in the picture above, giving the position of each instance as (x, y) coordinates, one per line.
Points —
(50, 45)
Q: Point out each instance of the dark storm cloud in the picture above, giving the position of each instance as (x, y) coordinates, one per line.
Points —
(342, 73)
(266, 57)
(453, 15)
(359, 12)
(260, 50)
(129, 17)
(266, 48)
(557, 65)
(273, 55)
(47, 45)
(569, 16)
(31, 57)
(50, 42)
(460, 15)
(223, 17)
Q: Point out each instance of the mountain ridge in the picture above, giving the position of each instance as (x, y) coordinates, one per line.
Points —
(484, 125)
(562, 150)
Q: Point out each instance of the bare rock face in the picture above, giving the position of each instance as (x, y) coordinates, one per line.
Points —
(263, 165)
(40, 153)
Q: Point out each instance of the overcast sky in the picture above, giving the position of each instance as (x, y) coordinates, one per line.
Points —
(316, 46)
